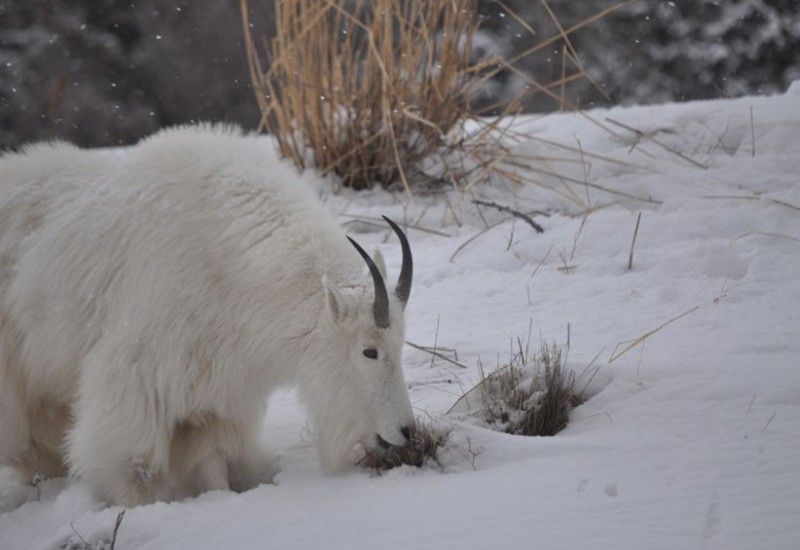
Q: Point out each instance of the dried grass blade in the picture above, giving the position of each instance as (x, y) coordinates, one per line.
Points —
(646, 335)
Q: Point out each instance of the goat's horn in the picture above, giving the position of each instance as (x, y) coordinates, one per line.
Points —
(381, 306)
(403, 288)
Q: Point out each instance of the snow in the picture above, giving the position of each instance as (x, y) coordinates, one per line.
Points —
(690, 438)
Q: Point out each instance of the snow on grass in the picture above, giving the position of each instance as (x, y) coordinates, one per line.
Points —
(690, 437)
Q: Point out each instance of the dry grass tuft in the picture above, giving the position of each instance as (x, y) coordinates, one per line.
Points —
(381, 91)
(377, 91)
(532, 395)
(394, 93)
(422, 448)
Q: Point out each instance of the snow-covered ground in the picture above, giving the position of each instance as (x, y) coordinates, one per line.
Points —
(691, 438)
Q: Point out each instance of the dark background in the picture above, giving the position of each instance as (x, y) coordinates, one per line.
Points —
(107, 72)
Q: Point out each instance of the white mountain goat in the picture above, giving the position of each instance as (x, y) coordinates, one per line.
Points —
(150, 301)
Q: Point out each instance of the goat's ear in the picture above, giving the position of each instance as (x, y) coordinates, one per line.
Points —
(337, 306)
(377, 257)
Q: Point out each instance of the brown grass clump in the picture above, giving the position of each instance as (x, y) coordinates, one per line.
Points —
(392, 92)
(422, 448)
(376, 91)
(531, 395)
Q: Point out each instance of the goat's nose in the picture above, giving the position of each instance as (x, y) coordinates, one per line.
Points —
(406, 431)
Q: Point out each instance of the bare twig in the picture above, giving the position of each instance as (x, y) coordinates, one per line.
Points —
(116, 528)
(524, 217)
(435, 341)
(475, 236)
(771, 418)
(723, 292)
(378, 222)
(788, 205)
(583, 152)
(511, 237)
(584, 222)
(555, 38)
(591, 371)
(435, 354)
(573, 54)
(633, 241)
(660, 143)
(541, 262)
(732, 197)
(593, 185)
(767, 234)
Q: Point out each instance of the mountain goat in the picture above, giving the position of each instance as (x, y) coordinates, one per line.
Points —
(150, 302)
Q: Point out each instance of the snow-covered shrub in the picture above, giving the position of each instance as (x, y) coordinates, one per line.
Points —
(531, 395)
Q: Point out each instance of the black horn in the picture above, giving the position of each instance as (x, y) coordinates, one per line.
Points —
(403, 288)
(381, 306)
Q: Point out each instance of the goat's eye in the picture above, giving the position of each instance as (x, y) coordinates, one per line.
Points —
(371, 353)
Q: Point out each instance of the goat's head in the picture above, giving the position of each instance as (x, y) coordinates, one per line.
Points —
(371, 399)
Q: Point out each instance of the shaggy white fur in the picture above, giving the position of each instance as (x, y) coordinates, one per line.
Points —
(151, 301)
